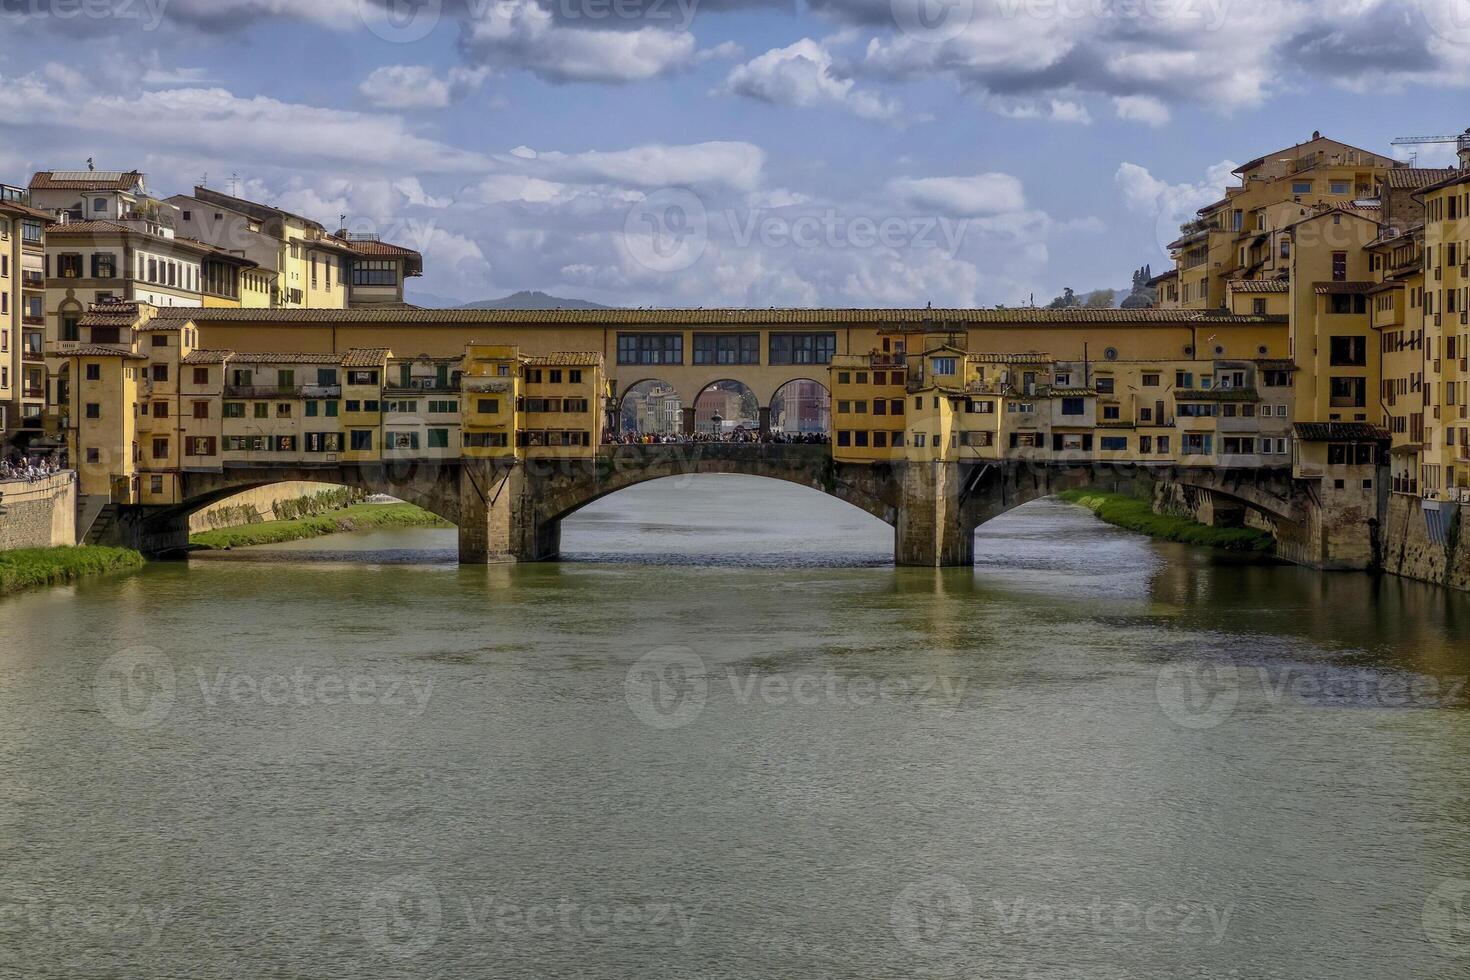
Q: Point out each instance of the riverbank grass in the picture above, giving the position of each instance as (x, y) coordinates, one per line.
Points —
(358, 517)
(30, 568)
(1134, 514)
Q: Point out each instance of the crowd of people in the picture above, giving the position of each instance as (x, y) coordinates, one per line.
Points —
(734, 436)
(29, 469)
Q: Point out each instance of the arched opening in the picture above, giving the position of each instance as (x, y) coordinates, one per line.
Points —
(651, 407)
(801, 408)
(725, 520)
(727, 409)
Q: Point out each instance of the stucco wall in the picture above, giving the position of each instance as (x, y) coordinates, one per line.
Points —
(230, 512)
(39, 515)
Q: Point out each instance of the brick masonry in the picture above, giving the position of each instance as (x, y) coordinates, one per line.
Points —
(39, 515)
(1410, 551)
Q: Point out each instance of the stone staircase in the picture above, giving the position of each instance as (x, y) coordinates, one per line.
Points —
(96, 517)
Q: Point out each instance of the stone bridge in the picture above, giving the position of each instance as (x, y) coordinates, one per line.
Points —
(512, 511)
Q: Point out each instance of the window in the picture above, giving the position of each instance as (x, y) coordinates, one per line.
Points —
(650, 348)
(94, 372)
(1073, 406)
(1258, 306)
(324, 442)
(1150, 380)
(94, 410)
(401, 440)
(262, 410)
(438, 438)
(802, 348)
(201, 376)
(283, 410)
(104, 265)
(1349, 393)
(362, 440)
(1339, 266)
(69, 266)
(374, 272)
(160, 410)
(1350, 352)
(1341, 304)
(160, 372)
(1183, 379)
(488, 406)
(1105, 386)
(945, 365)
(1112, 413)
(160, 449)
(1301, 187)
(443, 407)
(234, 410)
(730, 348)
(201, 446)
(1114, 444)
(1340, 187)
(331, 409)
(201, 410)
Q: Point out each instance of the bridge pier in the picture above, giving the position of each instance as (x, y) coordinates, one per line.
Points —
(499, 521)
(157, 532)
(932, 530)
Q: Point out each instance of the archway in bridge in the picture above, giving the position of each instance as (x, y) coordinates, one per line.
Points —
(651, 407)
(725, 519)
(802, 407)
(727, 407)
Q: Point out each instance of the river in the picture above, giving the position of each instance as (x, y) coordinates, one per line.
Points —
(727, 738)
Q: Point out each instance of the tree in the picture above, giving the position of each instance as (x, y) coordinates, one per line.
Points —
(1062, 302)
(1100, 299)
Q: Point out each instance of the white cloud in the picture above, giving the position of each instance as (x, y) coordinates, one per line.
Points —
(523, 34)
(976, 196)
(1170, 205)
(418, 87)
(203, 120)
(716, 164)
(801, 75)
(1141, 108)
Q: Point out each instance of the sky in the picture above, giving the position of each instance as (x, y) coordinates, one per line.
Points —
(728, 152)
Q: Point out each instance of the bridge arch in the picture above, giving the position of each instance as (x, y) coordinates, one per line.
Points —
(801, 406)
(729, 400)
(651, 405)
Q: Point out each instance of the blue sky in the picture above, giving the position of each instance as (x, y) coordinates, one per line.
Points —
(728, 152)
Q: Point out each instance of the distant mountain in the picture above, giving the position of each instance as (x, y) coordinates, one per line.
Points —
(534, 300)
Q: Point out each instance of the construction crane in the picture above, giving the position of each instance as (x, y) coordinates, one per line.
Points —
(1462, 141)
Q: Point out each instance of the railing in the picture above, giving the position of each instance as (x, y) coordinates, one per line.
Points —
(33, 280)
(263, 391)
(33, 321)
(400, 391)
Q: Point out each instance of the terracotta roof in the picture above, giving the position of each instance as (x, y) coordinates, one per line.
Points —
(1455, 177)
(15, 207)
(365, 357)
(107, 320)
(1326, 431)
(564, 359)
(1415, 177)
(1055, 392)
(79, 228)
(937, 320)
(380, 249)
(207, 357)
(1369, 214)
(1162, 276)
(1341, 288)
(100, 350)
(1276, 364)
(48, 180)
(1260, 286)
(291, 357)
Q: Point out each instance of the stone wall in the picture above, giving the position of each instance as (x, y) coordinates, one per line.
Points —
(39, 515)
(251, 506)
(1410, 550)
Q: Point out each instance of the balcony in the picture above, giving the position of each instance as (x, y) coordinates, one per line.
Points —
(427, 388)
(265, 391)
(32, 280)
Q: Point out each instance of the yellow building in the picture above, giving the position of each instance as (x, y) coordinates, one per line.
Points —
(1446, 312)
(22, 317)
